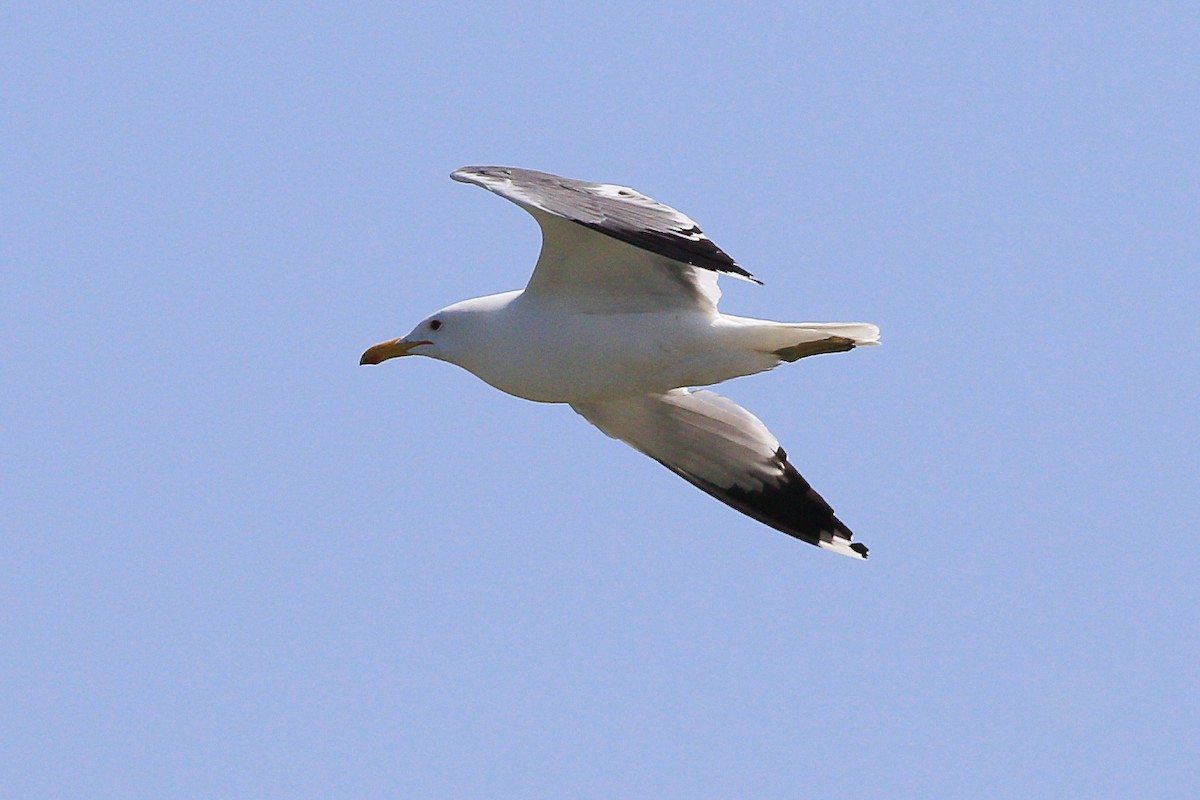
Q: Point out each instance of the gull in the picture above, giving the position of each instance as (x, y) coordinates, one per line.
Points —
(619, 320)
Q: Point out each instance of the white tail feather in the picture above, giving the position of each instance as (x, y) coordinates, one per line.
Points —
(861, 333)
(769, 337)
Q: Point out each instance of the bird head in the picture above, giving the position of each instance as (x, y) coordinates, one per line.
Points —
(459, 333)
(423, 340)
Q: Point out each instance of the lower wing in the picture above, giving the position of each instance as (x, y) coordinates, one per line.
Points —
(723, 449)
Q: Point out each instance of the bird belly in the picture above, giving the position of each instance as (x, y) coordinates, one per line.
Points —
(590, 358)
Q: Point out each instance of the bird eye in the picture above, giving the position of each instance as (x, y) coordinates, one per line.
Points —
(434, 324)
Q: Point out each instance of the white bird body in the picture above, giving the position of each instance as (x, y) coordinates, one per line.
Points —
(619, 318)
(572, 362)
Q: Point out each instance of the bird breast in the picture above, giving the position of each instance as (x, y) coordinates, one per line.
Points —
(572, 358)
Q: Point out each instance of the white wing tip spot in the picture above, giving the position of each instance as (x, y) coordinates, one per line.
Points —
(845, 547)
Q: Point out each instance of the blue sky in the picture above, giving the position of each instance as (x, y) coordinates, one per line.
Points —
(236, 564)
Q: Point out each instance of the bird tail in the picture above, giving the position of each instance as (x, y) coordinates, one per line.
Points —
(791, 341)
(861, 333)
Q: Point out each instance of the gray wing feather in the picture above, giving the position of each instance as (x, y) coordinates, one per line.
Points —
(723, 449)
(617, 211)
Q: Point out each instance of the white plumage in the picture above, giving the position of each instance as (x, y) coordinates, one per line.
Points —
(619, 318)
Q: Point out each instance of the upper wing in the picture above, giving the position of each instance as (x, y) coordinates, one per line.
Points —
(722, 448)
(610, 247)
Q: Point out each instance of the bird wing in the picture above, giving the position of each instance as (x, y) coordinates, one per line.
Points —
(610, 248)
(720, 447)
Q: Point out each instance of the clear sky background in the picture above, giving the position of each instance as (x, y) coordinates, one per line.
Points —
(237, 564)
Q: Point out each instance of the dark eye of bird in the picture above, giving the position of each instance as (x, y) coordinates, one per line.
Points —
(435, 324)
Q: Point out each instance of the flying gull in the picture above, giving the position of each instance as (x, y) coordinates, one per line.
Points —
(619, 320)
